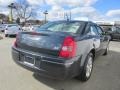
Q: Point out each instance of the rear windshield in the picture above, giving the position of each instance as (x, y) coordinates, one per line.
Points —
(71, 27)
(12, 25)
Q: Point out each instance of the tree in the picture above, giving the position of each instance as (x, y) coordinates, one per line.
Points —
(3, 18)
(18, 20)
(24, 11)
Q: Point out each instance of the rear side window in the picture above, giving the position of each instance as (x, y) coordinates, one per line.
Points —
(100, 31)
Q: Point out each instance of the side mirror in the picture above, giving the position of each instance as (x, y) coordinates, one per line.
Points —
(104, 33)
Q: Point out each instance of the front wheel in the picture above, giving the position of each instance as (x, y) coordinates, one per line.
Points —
(87, 68)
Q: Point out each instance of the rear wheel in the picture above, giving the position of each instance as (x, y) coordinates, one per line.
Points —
(106, 51)
(111, 38)
(87, 68)
(6, 35)
(2, 30)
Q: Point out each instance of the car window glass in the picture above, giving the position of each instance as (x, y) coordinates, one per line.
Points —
(118, 30)
(71, 27)
(99, 30)
(55, 27)
(12, 25)
(65, 27)
(93, 30)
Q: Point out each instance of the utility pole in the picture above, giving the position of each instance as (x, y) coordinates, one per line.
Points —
(68, 16)
(11, 6)
(46, 12)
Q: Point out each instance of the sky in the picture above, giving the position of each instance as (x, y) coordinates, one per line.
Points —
(94, 10)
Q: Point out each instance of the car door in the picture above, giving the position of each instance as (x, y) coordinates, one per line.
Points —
(103, 38)
(97, 39)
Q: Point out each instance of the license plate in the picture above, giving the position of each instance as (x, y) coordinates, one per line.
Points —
(29, 60)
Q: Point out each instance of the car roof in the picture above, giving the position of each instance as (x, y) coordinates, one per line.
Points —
(74, 21)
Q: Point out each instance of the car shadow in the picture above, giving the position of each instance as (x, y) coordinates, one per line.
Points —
(57, 84)
(101, 64)
(12, 36)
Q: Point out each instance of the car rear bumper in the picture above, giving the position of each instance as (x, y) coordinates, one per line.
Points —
(11, 32)
(55, 68)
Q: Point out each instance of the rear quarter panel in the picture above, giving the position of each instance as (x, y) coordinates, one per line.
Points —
(84, 46)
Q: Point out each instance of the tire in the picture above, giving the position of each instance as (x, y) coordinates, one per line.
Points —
(6, 35)
(2, 30)
(87, 68)
(111, 38)
(106, 51)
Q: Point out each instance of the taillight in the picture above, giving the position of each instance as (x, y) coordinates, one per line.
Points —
(68, 49)
(15, 42)
(34, 33)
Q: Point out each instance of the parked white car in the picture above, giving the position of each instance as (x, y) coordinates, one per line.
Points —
(26, 28)
(12, 29)
(30, 27)
(34, 27)
(2, 27)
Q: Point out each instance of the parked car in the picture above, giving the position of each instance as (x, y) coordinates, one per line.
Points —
(61, 49)
(2, 27)
(12, 29)
(26, 28)
(115, 33)
(30, 27)
(34, 27)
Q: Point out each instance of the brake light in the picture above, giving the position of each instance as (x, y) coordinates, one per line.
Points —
(15, 42)
(68, 49)
(34, 33)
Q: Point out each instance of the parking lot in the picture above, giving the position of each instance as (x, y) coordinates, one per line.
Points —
(105, 76)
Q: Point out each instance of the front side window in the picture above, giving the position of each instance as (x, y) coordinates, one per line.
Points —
(99, 30)
(93, 30)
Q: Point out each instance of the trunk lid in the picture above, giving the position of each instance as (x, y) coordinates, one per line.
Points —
(43, 42)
